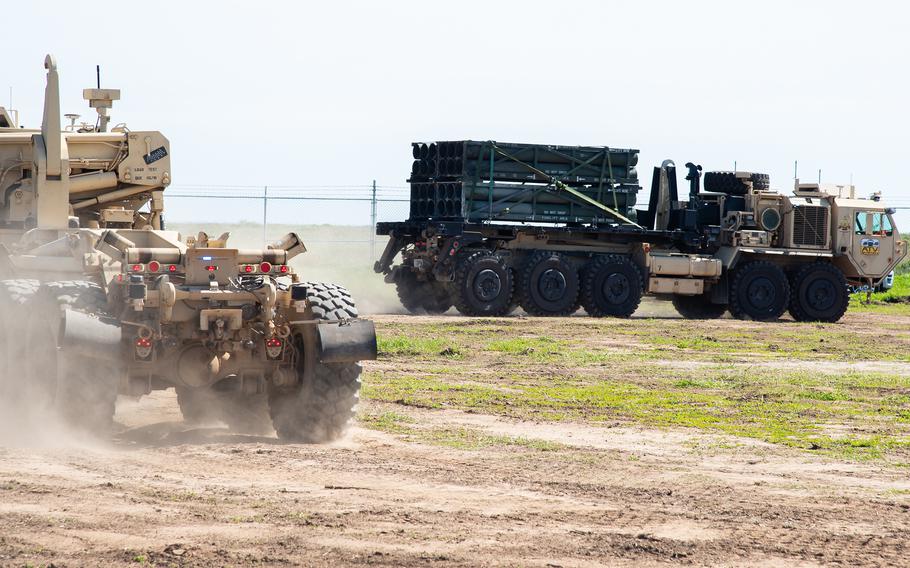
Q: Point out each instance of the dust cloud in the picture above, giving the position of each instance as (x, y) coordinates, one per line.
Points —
(28, 417)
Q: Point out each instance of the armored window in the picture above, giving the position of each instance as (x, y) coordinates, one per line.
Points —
(861, 223)
(881, 225)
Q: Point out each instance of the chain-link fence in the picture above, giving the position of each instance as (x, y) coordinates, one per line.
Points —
(336, 223)
(347, 207)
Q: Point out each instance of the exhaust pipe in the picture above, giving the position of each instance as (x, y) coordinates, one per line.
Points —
(89, 337)
(346, 342)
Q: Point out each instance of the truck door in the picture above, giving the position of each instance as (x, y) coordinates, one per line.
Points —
(873, 242)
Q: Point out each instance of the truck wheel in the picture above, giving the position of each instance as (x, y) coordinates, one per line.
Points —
(79, 389)
(243, 413)
(14, 296)
(611, 286)
(698, 307)
(549, 285)
(819, 293)
(422, 297)
(483, 284)
(320, 409)
(759, 290)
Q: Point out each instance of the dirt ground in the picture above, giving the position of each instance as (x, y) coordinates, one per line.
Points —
(513, 491)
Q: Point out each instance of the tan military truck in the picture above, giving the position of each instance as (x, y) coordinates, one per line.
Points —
(98, 299)
(484, 244)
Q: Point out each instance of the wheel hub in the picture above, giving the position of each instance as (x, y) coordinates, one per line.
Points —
(487, 285)
(552, 285)
(616, 288)
(820, 294)
(761, 293)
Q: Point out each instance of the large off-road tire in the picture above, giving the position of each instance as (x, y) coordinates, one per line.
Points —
(698, 307)
(427, 297)
(242, 413)
(483, 284)
(14, 297)
(321, 408)
(611, 286)
(759, 291)
(549, 285)
(819, 293)
(80, 390)
(727, 182)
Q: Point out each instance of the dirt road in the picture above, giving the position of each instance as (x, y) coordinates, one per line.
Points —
(569, 493)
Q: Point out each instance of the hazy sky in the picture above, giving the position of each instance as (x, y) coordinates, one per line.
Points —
(331, 93)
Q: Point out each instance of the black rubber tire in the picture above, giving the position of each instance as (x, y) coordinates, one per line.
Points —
(320, 410)
(428, 297)
(819, 293)
(759, 291)
(329, 302)
(549, 285)
(611, 286)
(14, 297)
(483, 285)
(80, 390)
(698, 307)
(242, 413)
(761, 182)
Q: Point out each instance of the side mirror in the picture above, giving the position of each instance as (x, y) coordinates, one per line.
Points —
(891, 211)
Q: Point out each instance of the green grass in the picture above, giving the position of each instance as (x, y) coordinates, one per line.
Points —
(399, 345)
(787, 408)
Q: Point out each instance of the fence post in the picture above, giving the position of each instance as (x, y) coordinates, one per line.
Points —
(373, 223)
(265, 213)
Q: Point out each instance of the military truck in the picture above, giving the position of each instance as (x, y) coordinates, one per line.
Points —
(553, 228)
(98, 298)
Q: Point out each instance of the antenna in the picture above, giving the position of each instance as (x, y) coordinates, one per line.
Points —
(98, 75)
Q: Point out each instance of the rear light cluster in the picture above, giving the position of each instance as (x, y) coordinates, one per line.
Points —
(143, 347)
(264, 268)
(153, 267)
(273, 347)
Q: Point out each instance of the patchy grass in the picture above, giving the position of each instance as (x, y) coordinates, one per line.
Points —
(781, 408)
(400, 345)
(767, 381)
(458, 438)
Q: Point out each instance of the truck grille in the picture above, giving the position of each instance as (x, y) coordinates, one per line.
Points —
(810, 225)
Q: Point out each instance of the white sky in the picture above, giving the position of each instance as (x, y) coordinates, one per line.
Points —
(300, 93)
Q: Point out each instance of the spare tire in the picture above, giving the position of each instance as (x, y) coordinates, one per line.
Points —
(724, 182)
(727, 182)
(761, 182)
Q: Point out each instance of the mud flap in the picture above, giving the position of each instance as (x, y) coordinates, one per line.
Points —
(346, 342)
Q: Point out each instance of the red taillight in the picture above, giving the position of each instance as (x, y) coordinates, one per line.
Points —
(211, 268)
(249, 268)
(172, 268)
(265, 267)
(154, 266)
(137, 268)
(283, 269)
(273, 342)
(143, 342)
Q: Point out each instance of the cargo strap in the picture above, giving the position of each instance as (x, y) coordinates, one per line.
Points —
(563, 187)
